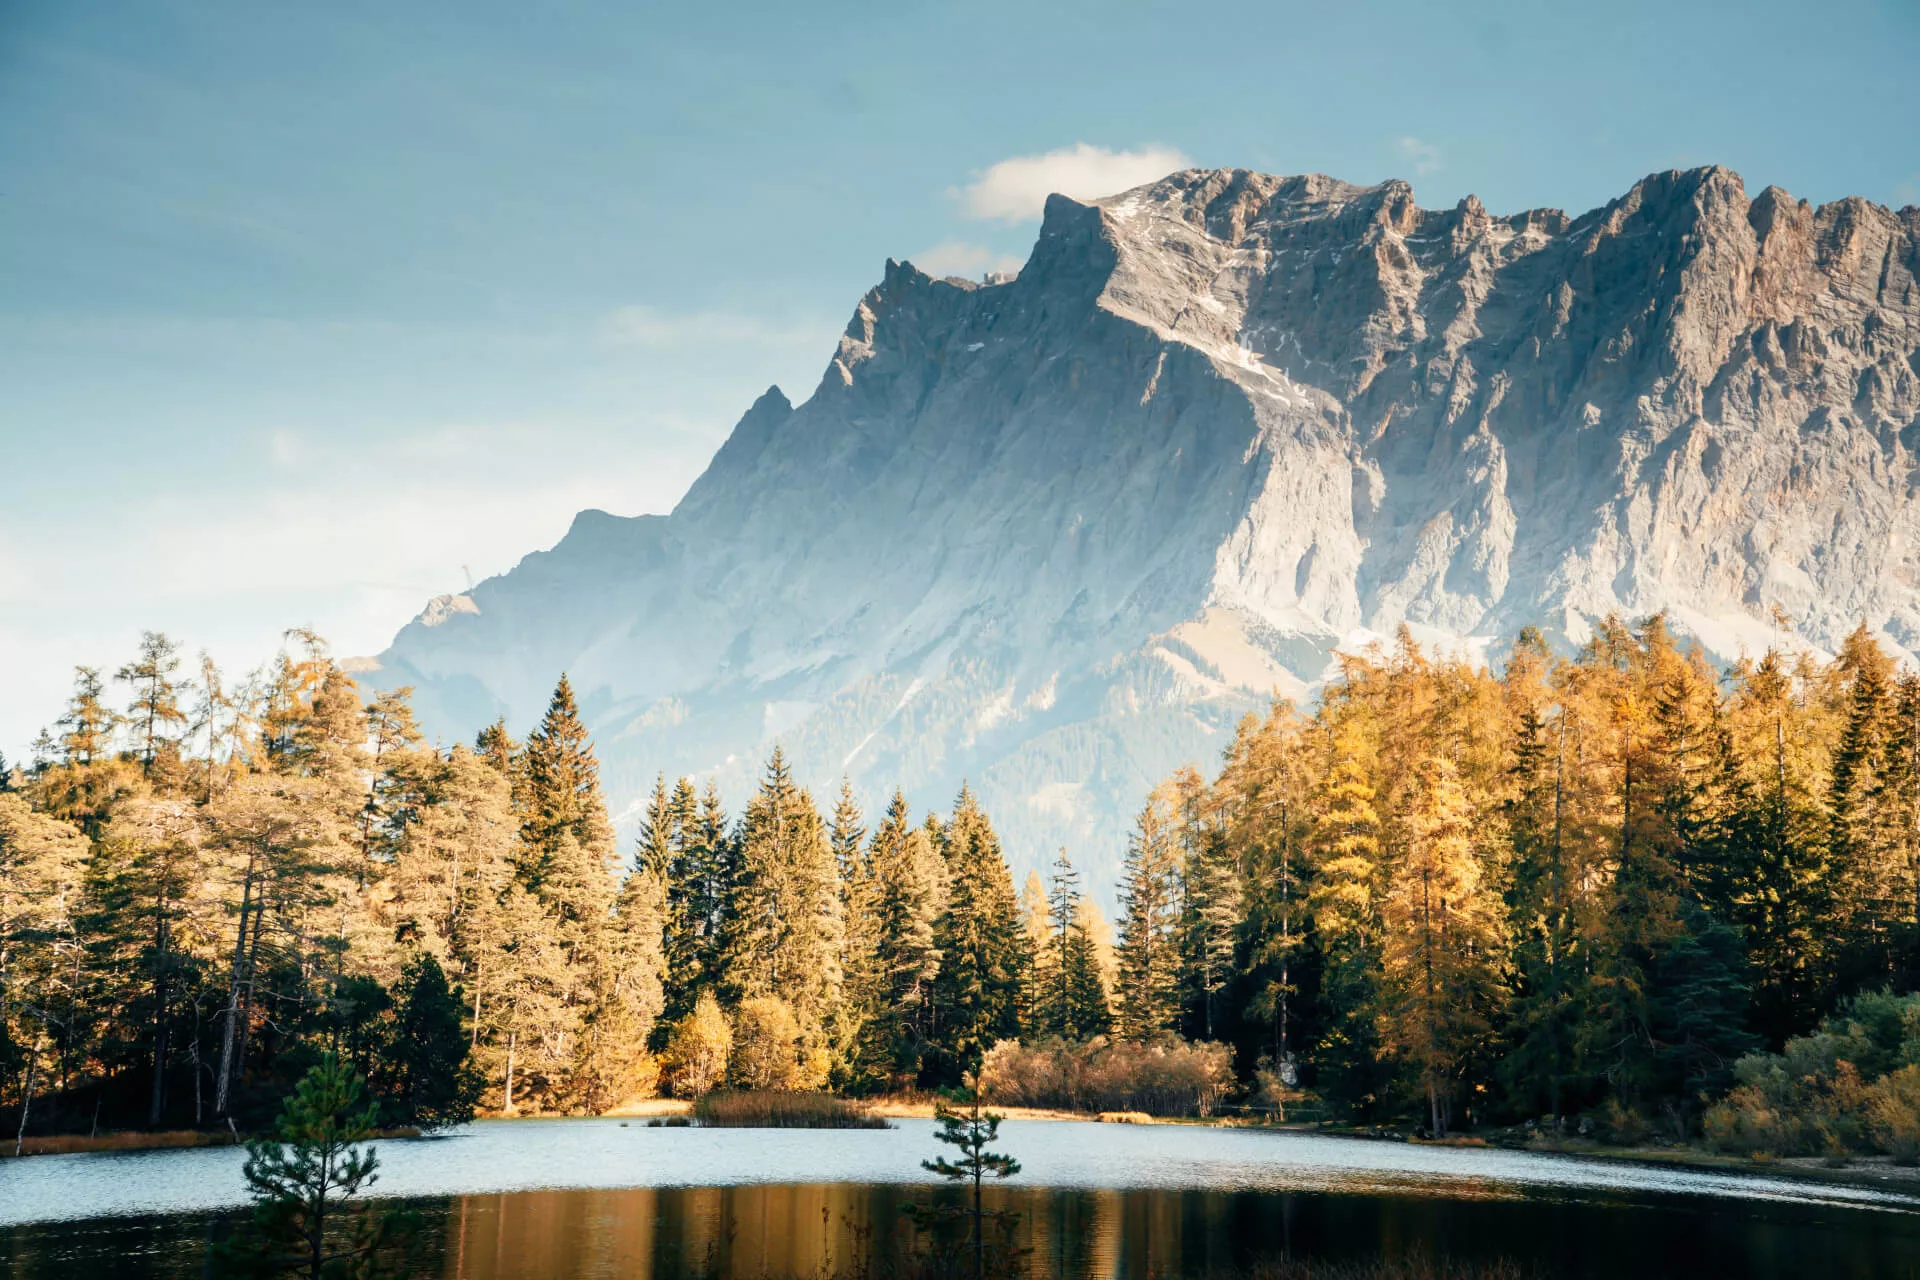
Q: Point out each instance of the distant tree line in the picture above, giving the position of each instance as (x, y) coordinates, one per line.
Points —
(1574, 885)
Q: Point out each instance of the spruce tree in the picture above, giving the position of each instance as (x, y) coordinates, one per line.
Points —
(1540, 1055)
(908, 898)
(1074, 1003)
(1211, 906)
(1055, 1011)
(1149, 924)
(424, 1078)
(1087, 1011)
(785, 917)
(1264, 781)
(980, 939)
(668, 851)
(568, 839)
(864, 989)
(1870, 820)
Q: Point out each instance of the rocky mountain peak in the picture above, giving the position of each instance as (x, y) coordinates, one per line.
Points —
(1056, 534)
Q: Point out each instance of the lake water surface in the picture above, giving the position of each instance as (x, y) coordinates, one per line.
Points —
(541, 1200)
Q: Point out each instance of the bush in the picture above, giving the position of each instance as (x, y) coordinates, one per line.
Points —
(1893, 1114)
(771, 1050)
(1623, 1125)
(698, 1048)
(779, 1109)
(1851, 1087)
(1167, 1077)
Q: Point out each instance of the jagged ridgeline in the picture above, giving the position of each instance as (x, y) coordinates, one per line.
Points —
(1055, 534)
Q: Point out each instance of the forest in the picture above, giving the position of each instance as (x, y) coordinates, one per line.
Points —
(1612, 886)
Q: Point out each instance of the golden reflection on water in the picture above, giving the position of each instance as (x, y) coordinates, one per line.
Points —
(779, 1231)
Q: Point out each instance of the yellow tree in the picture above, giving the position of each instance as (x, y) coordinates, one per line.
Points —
(40, 866)
(1442, 942)
(1345, 853)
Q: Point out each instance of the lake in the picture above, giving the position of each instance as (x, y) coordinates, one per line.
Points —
(539, 1199)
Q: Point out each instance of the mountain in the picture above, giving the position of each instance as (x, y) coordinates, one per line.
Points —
(1056, 534)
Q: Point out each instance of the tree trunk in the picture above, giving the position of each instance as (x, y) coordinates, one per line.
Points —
(157, 1100)
(26, 1099)
(979, 1244)
(231, 1015)
(507, 1107)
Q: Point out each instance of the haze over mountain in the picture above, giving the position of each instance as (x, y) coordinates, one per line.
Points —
(1055, 534)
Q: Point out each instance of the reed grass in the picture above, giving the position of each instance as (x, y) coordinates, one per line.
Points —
(775, 1109)
(62, 1144)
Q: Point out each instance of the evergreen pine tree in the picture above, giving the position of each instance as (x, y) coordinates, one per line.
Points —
(786, 929)
(1149, 940)
(908, 898)
(307, 1219)
(424, 1078)
(980, 940)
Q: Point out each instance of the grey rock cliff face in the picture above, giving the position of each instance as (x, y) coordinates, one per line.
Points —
(1055, 535)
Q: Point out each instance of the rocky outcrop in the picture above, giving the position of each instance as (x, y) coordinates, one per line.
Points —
(1056, 534)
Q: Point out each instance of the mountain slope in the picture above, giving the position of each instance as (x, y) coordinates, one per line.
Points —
(1056, 534)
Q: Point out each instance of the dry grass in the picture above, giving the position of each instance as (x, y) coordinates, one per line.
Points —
(1124, 1117)
(67, 1144)
(648, 1107)
(778, 1109)
(62, 1144)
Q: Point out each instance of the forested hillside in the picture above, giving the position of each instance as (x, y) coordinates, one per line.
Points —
(1583, 885)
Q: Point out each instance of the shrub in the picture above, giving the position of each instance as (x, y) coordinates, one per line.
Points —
(1167, 1077)
(770, 1049)
(1893, 1114)
(1623, 1124)
(1845, 1088)
(782, 1109)
(698, 1048)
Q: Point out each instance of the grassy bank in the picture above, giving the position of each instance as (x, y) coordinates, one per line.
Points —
(772, 1109)
(66, 1144)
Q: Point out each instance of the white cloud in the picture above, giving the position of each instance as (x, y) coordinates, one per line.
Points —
(1016, 189)
(958, 258)
(647, 326)
(1424, 156)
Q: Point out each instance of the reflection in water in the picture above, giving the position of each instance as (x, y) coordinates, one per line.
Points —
(850, 1229)
(759, 1231)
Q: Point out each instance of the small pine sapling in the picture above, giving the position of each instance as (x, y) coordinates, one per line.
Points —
(305, 1220)
(970, 1132)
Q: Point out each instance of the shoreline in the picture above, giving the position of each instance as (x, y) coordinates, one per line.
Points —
(1866, 1171)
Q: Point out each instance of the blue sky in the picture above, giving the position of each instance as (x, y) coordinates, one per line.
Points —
(304, 307)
